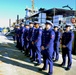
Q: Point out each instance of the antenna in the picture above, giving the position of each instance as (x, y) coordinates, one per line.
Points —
(32, 6)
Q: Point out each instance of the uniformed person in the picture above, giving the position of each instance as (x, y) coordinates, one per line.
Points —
(48, 36)
(67, 39)
(56, 43)
(14, 33)
(37, 43)
(22, 28)
(25, 37)
(31, 31)
(18, 36)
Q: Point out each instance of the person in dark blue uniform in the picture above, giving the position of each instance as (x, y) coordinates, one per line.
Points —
(25, 37)
(67, 39)
(18, 36)
(56, 44)
(37, 44)
(31, 30)
(14, 36)
(22, 28)
(48, 36)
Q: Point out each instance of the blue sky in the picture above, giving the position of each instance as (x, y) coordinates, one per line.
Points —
(10, 8)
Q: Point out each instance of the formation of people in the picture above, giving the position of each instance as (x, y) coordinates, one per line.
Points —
(38, 43)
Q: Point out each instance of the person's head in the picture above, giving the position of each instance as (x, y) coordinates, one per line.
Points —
(68, 27)
(15, 26)
(18, 27)
(31, 24)
(27, 26)
(48, 25)
(36, 24)
(22, 24)
(40, 27)
(56, 28)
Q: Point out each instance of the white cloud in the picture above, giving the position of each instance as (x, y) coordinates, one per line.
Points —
(4, 22)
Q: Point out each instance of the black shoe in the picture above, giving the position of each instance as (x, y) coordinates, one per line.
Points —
(67, 68)
(32, 60)
(49, 74)
(62, 65)
(55, 60)
(28, 55)
(22, 51)
(16, 46)
(42, 69)
(37, 64)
